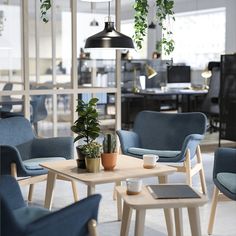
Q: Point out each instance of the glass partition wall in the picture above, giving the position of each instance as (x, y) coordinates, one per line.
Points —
(48, 70)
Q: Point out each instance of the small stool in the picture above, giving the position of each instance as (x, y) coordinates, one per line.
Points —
(144, 201)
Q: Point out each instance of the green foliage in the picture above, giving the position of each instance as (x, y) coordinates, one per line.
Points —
(164, 11)
(109, 143)
(87, 125)
(45, 6)
(92, 150)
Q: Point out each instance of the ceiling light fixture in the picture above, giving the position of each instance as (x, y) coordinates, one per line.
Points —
(109, 37)
(152, 25)
(93, 22)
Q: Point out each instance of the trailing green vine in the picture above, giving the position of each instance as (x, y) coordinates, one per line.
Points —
(164, 12)
(45, 6)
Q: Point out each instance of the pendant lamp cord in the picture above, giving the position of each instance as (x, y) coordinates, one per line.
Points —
(109, 11)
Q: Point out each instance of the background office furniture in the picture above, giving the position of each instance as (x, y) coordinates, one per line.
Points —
(19, 219)
(173, 137)
(228, 98)
(7, 106)
(21, 152)
(210, 105)
(224, 177)
(39, 110)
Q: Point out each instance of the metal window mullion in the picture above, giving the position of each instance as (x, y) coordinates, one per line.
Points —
(53, 28)
(25, 54)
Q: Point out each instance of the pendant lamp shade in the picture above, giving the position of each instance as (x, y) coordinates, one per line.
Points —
(109, 38)
(152, 25)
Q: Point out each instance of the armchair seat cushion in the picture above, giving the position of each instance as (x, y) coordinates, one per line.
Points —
(160, 153)
(26, 215)
(33, 164)
(228, 180)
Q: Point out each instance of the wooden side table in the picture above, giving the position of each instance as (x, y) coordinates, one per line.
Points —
(143, 201)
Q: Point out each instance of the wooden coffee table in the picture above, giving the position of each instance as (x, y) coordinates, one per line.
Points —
(145, 200)
(127, 167)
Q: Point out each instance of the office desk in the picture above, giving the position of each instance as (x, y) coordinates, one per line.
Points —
(188, 93)
(11, 101)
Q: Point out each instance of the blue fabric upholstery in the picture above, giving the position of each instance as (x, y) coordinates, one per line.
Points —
(224, 171)
(228, 180)
(27, 221)
(166, 133)
(18, 144)
(34, 164)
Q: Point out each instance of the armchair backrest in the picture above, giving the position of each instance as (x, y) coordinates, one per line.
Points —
(17, 132)
(167, 131)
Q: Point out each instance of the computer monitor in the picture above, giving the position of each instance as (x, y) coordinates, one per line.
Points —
(178, 74)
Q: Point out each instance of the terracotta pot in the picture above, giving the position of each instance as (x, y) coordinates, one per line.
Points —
(92, 164)
(109, 160)
(81, 159)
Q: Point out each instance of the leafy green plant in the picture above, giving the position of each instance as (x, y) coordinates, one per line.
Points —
(44, 7)
(164, 11)
(92, 150)
(109, 143)
(87, 125)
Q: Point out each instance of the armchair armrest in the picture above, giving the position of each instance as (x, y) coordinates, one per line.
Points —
(53, 147)
(8, 155)
(128, 139)
(225, 161)
(191, 142)
(72, 220)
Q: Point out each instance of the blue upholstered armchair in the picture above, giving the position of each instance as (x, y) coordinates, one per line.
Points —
(21, 152)
(173, 137)
(78, 219)
(224, 177)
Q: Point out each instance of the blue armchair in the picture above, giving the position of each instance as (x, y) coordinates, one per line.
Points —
(21, 152)
(78, 219)
(224, 177)
(173, 137)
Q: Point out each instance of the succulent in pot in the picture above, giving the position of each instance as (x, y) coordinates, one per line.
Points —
(86, 127)
(109, 155)
(92, 152)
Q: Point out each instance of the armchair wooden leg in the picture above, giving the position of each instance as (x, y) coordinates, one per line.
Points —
(213, 210)
(187, 164)
(30, 194)
(75, 191)
(201, 171)
(92, 228)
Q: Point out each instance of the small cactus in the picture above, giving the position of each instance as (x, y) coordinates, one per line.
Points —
(109, 143)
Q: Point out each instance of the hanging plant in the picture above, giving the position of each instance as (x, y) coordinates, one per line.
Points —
(45, 6)
(164, 12)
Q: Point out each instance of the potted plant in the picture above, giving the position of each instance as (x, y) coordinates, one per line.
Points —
(92, 152)
(86, 127)
(109, 155)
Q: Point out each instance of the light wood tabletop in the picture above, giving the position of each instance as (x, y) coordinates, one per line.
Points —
(127, 167)
(144, 200)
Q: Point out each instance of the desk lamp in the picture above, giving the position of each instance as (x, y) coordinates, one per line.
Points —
(206, 74)
(150, 72)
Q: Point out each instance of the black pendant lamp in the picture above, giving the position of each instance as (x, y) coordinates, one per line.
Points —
(109, 37)
(152, 25)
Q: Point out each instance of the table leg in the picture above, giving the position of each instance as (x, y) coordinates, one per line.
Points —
(125, 223)
(90, 190)
(167, 212)
(119, 203)
(51, 179)
(194, 219)
(139, 222)
(178, 221)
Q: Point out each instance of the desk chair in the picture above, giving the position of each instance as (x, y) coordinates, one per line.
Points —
(19, 219)
(173, 137)
(224, 177)
(210, 105)
(21, 152)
